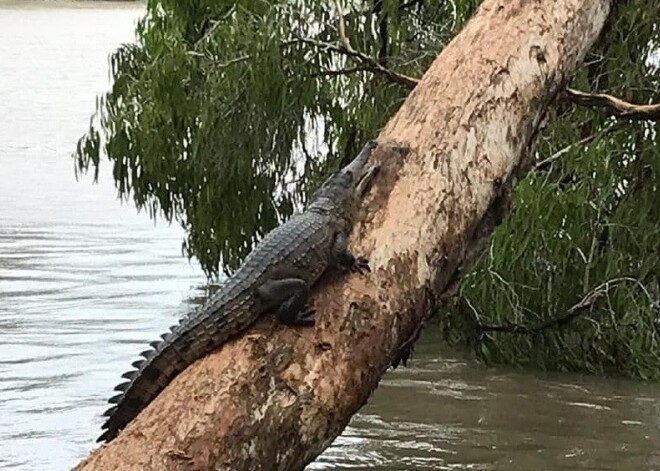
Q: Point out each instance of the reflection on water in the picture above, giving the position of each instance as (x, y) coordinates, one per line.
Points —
(85, 283)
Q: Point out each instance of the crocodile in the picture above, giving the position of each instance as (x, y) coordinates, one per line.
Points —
(275, 277)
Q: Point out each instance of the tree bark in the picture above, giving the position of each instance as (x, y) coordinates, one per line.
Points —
(277, 397)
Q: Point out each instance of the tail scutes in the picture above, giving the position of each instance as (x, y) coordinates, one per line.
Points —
(144, 383)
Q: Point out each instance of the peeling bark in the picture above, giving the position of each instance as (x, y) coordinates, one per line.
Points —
(276, 397)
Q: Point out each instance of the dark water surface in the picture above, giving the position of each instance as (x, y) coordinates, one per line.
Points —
(85, 282)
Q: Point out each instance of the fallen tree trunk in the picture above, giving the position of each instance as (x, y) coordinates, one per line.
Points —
(277, 397)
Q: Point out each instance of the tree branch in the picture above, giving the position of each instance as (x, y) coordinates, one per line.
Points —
(236, 60)
(587, 302)
(614, 105)
(370, 64)
(338, 72)
(375, 65)
(543, 164)
(367, 63)
(383, 34)
(342, 28)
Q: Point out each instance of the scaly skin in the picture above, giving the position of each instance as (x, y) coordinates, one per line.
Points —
(276, 277)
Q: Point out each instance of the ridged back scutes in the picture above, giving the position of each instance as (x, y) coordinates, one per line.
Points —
(196, 335)
(289, 246)
(304, 242)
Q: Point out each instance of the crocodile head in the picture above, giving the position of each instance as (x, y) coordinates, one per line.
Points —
(344, 188)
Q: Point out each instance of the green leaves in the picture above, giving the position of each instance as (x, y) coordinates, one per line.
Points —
(588, 215)
(222, 120)
(226, 114)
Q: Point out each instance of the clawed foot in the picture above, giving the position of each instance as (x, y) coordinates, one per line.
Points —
(360, 265)
(404, 355)
(366, 180)
(306, 317)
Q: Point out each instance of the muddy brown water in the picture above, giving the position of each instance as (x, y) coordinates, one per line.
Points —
(85, 282)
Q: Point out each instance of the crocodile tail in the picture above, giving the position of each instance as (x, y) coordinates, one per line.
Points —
(186, 342)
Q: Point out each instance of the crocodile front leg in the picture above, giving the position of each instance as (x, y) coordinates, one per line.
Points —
(345, 259)
(290, 296)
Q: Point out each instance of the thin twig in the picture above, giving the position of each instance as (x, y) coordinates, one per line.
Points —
(236, 60)
(338, 72)
(587, 140)
(342, 27)
(560, 153)
(373, 65)
(368, 64)
(584, 304)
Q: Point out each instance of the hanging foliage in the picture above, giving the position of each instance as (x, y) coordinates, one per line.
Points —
(226, 114)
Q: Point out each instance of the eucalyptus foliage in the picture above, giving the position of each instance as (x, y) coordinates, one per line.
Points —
(585, 226)
(226, 114)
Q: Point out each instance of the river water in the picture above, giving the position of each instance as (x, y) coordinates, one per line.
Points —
(85, 282)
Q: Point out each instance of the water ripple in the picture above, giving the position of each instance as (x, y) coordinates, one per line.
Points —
(85, 283)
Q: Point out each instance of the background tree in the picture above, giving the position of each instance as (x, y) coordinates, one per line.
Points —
(570, 280)
(226, 114)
